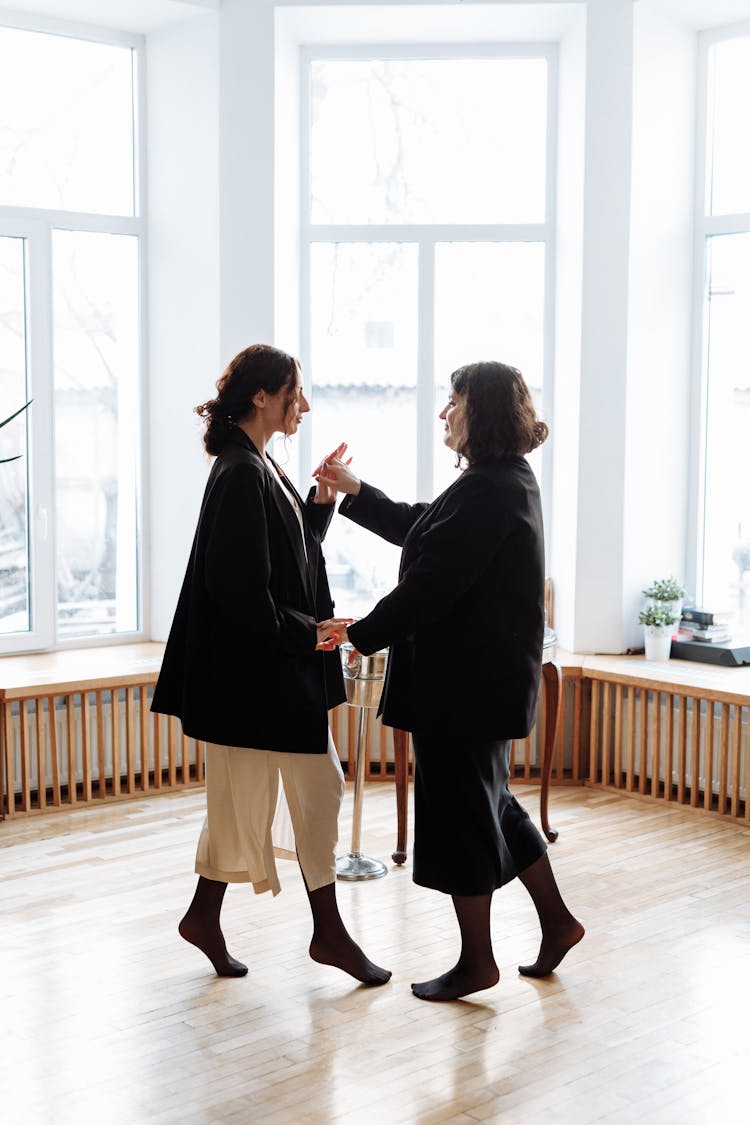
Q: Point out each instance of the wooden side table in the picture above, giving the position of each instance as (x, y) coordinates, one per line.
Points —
(552, 687)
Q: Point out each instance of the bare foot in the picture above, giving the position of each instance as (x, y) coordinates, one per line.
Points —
(213, 945)
(457, 982)
(555, 944)
(343, 953)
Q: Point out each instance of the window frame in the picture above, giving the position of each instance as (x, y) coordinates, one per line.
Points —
(37, 225)
(426, 236)
(706, 226)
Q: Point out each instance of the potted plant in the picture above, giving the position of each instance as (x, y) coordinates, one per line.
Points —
(658, 622)
(666, 593)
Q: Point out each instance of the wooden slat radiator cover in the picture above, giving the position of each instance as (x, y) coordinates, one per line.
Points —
(81, 722)
(90, 746)
(653, 734)
(76, 728)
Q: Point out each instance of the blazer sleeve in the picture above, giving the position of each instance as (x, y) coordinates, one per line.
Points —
(388, 518)
(454, 550)
(238, 566)
(319, 516)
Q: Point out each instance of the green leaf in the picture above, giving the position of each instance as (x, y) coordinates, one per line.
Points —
(10, 419)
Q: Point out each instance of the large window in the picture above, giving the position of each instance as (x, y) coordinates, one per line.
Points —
(14, 501)
(70, 234)
(724, 562)
(426, 218)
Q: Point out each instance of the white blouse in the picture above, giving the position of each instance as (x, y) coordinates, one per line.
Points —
(291, 498)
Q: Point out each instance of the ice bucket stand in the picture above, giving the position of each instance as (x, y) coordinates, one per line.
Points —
(363, 679)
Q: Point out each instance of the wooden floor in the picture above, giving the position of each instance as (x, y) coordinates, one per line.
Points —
(107, 1017)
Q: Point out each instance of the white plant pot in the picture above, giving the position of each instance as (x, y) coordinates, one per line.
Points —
(658, 640)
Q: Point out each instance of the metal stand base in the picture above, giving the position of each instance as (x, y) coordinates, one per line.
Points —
(357, 867)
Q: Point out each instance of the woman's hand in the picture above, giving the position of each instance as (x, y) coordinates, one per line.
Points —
(332, 633)
(324, 493)
(334, 474)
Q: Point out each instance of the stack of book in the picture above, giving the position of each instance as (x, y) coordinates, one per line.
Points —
(700, 625)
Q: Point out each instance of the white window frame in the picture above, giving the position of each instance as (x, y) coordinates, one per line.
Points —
(426, 236)
(705, 227)
(37, 225)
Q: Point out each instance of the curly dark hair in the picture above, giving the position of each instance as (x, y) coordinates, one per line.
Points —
(500, 416)
(257, 368)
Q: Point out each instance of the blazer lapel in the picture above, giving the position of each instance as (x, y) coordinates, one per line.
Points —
(310, 541)
(291, 524)
(288, 516)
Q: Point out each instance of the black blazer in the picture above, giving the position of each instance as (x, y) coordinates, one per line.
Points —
(465, 624)
(240, 666)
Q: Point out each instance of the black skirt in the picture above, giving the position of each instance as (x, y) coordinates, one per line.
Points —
(471, 836)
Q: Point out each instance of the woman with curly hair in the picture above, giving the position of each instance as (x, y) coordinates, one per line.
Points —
(249, 666)
(465, 628)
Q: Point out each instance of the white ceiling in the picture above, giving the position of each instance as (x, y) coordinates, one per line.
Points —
(706, 13)
(144, 16)
(140, 16)
(385, 21)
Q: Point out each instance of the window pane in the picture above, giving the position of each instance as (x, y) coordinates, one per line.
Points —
(66, 123)
(95, 293)
(428, 141)
(728, 186)
(726, 549)
(364, 363)
(489, 304)
(14, 518)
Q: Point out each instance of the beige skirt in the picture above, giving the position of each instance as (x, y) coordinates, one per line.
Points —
(264, 804)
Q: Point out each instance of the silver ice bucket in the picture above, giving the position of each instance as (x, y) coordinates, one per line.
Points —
(363, 675)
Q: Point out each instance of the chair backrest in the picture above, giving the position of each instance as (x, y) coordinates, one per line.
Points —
(548, 603)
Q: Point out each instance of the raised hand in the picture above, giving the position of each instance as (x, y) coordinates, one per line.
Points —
(334, 474)
(324, 494)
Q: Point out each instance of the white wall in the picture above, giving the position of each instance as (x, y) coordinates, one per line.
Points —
(184, 356)
(599, 542)
(246, 185)
(620, 499)
(659, 309)
(562, 530)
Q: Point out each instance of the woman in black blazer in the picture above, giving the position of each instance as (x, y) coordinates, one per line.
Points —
(465, 627)
(249, 666)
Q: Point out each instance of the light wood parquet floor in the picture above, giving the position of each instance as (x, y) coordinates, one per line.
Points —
(106, 1016)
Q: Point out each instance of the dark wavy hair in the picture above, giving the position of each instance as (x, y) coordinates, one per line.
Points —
(500, 416)
(257, 368)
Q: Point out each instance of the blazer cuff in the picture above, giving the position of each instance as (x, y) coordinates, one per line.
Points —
(319, 515)
(310, 499)
(357, 634)
(350, 504)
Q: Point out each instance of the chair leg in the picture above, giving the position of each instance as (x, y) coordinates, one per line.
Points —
(552, 676)
(401, 762)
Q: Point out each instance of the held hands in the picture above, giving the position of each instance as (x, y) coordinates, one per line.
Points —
(334, 475)
(332, 633)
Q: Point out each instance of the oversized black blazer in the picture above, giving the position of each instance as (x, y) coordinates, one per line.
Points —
(465, 624)
(240, 666)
